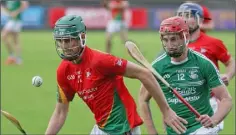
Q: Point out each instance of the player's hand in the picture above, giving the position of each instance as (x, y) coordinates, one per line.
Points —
(206, 121)
(225, 79)
(174, 121)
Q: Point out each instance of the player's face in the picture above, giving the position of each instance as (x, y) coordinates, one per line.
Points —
(69, 47)
(173, 44)
(191, 20)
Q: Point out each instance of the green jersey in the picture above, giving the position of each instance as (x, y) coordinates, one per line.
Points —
(13, 6)
(193, 78)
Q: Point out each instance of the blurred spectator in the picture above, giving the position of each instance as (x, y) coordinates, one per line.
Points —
(117, 23)
(12, 29)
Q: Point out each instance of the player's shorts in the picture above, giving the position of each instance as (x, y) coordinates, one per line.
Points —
(13, 26)
(206, 131)
(97, 131)
(116, 26)
(214, 106)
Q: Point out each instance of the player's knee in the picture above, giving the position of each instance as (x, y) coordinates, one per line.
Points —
(108, 40)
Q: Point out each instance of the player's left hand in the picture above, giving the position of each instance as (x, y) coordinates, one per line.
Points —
(225, 79)
(206, 121)
(175, 122)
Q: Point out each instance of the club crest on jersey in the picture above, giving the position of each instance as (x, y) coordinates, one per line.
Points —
(192, 74)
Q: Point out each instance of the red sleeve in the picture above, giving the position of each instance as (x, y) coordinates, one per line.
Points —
(111, 65)
(206, 14)
(64, 92)
(222, 53)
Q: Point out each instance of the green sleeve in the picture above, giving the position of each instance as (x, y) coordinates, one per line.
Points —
(212, 75)
(155, 66)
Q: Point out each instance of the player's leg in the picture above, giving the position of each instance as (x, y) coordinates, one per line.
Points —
(110, 30)
(214, 105)
(123, 31)
(16, 41)
(97, 131)
(108, 42)
(6, 33)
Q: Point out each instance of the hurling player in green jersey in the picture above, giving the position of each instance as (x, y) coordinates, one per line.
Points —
(11, 30)
(193, 75)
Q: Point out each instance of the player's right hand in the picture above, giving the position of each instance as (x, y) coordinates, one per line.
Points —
(225, 79)
(174, 121)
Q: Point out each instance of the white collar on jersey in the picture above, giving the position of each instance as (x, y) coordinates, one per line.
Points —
(178, 63)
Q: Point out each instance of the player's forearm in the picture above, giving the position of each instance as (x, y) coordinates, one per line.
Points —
(155, 90)
(224, 108)
(147, 117)
(56, 122)
(230, 69)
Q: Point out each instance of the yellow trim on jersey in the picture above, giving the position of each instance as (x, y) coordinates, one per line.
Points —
(105, 122)
(62, 95)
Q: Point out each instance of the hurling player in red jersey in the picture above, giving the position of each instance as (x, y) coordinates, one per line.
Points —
(117, 8)
(211, 47)
(207, 23)
(97, 78)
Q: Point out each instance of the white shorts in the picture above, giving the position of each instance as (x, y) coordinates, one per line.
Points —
(214, 105)
(206, 131)
(97, 131)
(13, 26)
(116, 26)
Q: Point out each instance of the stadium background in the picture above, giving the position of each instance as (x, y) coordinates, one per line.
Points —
(34, 106)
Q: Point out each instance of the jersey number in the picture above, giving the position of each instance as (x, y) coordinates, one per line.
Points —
(180, 76)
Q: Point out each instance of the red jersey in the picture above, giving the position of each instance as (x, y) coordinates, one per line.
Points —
(212, 48)
(98, 81)
(117, 13)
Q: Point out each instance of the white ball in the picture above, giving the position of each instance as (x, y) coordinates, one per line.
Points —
(37, 81)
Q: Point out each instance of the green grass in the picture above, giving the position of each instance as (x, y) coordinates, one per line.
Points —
(33, 106)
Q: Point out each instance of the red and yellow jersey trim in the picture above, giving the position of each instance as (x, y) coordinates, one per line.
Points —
(62, 96)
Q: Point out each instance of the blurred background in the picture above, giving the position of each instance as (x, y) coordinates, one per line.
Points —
(141, 16)
(33, 106)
